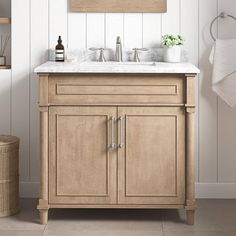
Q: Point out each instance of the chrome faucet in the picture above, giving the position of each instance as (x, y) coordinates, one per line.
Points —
(118, 55)
(136, 53)
(101, 54)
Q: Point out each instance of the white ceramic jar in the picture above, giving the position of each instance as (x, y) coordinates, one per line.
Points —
(172, 54)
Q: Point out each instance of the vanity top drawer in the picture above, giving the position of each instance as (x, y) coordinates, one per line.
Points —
(112, 89)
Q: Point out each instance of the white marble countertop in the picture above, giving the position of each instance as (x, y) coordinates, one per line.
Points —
(116, 68)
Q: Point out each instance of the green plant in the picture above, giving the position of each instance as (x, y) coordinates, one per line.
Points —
(171, 40)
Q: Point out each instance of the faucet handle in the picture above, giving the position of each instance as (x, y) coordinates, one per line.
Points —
(141, 49)
(96, 49)
(136, 53)
(101, 56)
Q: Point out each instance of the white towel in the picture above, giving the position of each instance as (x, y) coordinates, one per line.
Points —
(223, 58)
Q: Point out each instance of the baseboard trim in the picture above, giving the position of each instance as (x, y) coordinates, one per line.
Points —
(203, 190)
(216, 190)
(29, 189)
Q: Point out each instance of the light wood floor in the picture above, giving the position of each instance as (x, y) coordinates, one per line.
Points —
(213, 218)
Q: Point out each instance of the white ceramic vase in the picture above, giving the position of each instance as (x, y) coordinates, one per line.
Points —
(172, 54)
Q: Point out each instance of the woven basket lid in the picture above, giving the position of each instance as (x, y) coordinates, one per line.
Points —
(8, 140)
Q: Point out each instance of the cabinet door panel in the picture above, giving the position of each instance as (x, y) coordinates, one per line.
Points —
(151, 163)
(82, 166)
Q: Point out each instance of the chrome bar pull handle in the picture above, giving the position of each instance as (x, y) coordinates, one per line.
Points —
(113, 144)
(121, 119)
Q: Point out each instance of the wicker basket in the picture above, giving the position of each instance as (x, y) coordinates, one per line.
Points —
(9, 175)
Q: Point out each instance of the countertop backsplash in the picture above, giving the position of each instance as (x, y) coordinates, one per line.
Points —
(80, 55)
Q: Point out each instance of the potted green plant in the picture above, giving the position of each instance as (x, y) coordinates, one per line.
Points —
(172, 47)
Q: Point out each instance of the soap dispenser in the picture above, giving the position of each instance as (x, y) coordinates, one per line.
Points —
(60, 51)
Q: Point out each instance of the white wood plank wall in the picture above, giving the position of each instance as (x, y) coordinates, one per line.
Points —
(5, 11)
(35, 28)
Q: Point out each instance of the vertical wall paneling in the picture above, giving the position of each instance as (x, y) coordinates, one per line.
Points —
(133, 30)
(6, 30)
(171, 19)
(226, 115)
(36, 26)
(76, 30)
(208, 99)
(5, 101)
(114, 28)
(189, 15)
(38, 55)
(20, 80)
(58, 18)
(95, 30)
(151, 30)
(189, 28)
(5, 11)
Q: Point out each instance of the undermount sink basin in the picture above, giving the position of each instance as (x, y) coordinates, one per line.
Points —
(119, 64)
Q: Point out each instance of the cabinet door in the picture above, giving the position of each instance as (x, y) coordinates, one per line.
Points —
(151, 161)
(82, 166)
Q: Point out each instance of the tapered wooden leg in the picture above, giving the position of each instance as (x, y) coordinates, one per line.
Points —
(190, 217)
(43, 217)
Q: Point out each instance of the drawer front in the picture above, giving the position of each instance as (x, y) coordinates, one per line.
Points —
(120, 89)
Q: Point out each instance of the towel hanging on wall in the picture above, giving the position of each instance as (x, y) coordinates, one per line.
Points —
(223, 58)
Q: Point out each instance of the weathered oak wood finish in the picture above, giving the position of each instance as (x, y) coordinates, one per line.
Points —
(115, 90)
(80, 155)
(190, 143)
(5, 20)
(148, 6)
(151, 164)
(117, 141)
(43, 108)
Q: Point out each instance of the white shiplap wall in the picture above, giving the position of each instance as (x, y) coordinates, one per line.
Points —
(35, 28)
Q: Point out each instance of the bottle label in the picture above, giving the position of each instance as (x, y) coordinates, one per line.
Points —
(59, 55)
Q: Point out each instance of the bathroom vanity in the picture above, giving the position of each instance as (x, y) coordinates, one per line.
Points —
(117, 135)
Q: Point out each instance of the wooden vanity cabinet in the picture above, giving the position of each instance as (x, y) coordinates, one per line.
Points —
(117, 141)
(82, 165)
(151, 163)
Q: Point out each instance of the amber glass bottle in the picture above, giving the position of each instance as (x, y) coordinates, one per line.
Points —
(60, 51)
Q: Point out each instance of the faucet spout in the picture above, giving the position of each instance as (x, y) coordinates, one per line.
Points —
(118, 55)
